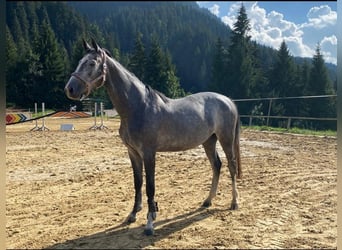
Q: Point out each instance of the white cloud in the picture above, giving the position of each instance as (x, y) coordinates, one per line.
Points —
(228, 21)
(215, 9)
(297, 47)
(331, 39)
(329, 44)
(321, 17)
(274, 32)
(272, 28)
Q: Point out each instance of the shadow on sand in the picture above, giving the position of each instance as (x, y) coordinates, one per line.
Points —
(125, 236)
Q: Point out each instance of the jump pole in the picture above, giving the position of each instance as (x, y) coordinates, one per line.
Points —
(94, 127)
(102, 126)
(36, 113)
(95, 114)
(43, 128)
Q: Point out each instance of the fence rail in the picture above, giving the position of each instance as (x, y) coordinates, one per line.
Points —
(288, 118)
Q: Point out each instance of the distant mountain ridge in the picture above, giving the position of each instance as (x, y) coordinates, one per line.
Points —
(43, 43)
(186, 30)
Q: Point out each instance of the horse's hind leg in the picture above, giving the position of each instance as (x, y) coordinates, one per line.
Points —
(137, 172)
(227, 145)
(210, 150)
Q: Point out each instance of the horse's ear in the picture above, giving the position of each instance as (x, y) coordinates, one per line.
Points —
(95, 45)
(86, 46)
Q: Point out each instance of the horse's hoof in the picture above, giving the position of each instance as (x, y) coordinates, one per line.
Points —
(149, 231)
(234, 206)
(130, 219)
(139, 208)
(206, 204)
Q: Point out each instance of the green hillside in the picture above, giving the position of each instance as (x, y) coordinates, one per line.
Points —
(176, 47)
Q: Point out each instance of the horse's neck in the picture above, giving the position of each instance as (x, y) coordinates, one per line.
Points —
(124, 89)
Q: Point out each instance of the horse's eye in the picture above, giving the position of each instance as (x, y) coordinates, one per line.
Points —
(92, 64)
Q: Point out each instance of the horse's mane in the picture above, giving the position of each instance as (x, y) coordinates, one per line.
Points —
(108, 53)
(151, 92)
(155, 93)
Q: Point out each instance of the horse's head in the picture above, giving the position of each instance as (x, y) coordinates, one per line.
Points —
(89, 74)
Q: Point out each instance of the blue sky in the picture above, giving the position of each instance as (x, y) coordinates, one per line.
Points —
(301, 24)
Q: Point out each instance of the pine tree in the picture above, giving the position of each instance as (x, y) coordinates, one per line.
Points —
(28, 70)
(11, 60)
(154, 67)
(243, 74)
(160, 72)
(24, 24)
(283, 82)
(137, 61)
(303, 82)
(282, 79)
(18, 35)
(11, 50)
(49, 85)
(171, 81)
(241, 26)
(218, 68)
(241, 70)
(305, 76)
(320, 84)
(77, 53)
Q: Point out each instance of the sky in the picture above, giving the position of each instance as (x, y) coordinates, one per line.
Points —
(302, 25)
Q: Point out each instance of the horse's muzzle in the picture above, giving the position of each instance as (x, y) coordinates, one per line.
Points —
(74, 89)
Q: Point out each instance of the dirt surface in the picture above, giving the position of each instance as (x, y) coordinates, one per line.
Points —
(74, 189)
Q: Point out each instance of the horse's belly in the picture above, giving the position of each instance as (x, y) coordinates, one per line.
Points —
(181, 140)
(175, 148)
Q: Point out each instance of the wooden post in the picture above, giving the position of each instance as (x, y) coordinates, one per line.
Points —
(269, 112)
(289, 123)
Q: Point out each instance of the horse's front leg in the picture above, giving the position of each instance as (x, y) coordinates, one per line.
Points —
(149, 163)
(136, 161)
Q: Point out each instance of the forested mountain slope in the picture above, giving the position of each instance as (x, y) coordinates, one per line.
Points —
(44, 47)
(185, 30)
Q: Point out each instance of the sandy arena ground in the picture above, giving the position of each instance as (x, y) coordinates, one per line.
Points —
(74, 189)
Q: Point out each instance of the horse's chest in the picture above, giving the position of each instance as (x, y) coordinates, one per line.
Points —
(131, 137)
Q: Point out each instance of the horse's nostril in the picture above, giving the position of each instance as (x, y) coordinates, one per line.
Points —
(71, 90)
(68, 90)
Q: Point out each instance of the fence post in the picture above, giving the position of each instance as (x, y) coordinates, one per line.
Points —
(269, 112)
(289, 123)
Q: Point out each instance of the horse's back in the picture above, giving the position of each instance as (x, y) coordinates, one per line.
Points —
(219, 110)
(189, 121)
(210, 102)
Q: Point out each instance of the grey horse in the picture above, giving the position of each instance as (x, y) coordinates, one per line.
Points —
(151, 122)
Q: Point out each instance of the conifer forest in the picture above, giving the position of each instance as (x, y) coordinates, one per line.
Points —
(175, 47)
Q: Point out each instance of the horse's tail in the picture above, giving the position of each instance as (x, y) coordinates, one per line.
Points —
(237, 147)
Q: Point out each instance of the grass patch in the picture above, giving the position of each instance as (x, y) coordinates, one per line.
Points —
(47, 111)
(293, 130)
